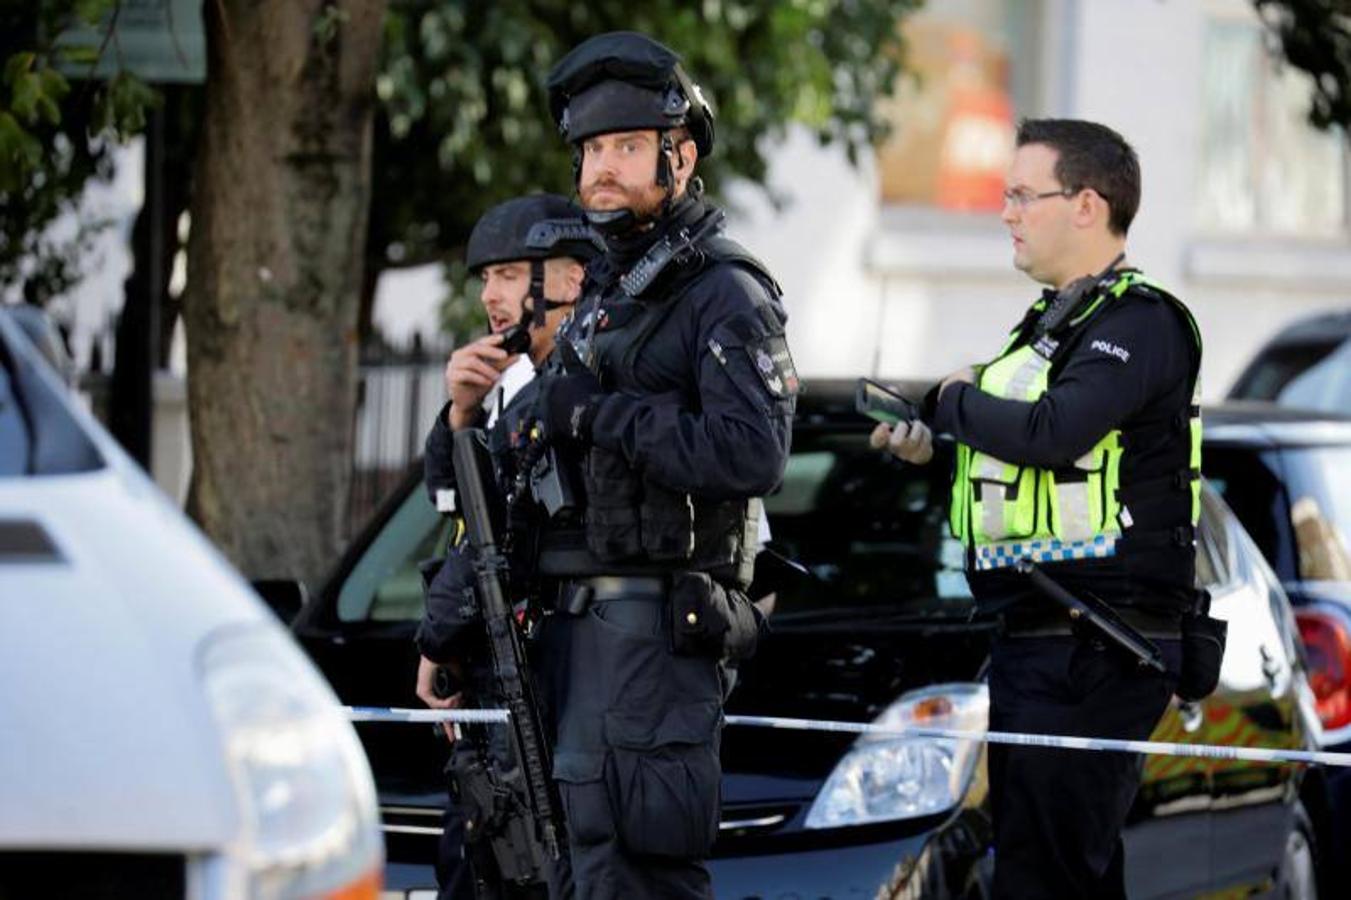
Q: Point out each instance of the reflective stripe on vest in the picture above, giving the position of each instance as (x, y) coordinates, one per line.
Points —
(1006, 512)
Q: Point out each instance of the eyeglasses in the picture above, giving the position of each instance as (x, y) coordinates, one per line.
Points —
(1021, 198)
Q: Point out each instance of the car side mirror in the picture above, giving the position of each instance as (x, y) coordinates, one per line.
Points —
(285, 596)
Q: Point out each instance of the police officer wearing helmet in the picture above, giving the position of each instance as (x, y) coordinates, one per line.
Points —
(1078, 451)
(671, 398)
(529, 254)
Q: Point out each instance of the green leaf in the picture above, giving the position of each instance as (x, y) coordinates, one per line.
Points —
(92, 12)
(130, 98)
(18, 65)
(24, 97)
(20, 153)
(78, 54)
(54, 84)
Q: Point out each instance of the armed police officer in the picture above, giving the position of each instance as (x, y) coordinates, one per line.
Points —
(1078, 460)
(529, 255)
(671, 402)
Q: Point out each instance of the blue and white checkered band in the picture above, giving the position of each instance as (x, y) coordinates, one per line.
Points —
(998, 556)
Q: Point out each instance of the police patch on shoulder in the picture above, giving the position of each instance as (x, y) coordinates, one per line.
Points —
(774, 364)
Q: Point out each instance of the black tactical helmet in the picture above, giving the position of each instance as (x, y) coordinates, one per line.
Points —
(535, 227)
(625, 81)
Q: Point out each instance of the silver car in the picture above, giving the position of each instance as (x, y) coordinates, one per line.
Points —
(161, 735)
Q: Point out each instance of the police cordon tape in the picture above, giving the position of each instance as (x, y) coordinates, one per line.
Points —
(1056, 741)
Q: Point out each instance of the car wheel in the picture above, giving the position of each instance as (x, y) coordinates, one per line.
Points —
(1298, 878)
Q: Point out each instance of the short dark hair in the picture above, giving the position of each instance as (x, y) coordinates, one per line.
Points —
(1091, 156)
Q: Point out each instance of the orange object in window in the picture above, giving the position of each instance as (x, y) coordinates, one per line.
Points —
(977, 142)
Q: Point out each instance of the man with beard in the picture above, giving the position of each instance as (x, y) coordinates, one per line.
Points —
(528, 253)
(672, 401)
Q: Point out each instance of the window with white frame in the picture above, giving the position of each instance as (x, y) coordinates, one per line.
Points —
(972, 72)
(1264, 170)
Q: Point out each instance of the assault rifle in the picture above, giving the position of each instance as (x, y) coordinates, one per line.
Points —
(510, 802)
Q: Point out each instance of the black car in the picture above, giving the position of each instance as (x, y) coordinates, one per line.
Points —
(882, 630)
(1307, 365)
(1286, 474)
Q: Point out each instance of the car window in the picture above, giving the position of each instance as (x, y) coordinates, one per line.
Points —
(1325, 385)
(871, 531)
(1249, 482)
(40, 431)
(385, 585)
(1318, 480)
(1312, 374)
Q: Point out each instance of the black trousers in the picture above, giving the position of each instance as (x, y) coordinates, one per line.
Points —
(1058, 814)
(637, 756)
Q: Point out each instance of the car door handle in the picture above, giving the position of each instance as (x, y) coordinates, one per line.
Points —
(1270, 668)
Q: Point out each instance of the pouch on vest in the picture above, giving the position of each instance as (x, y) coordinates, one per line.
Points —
(997, 486)
(725, 540)
(1203, 640)
(612, 521)
(1077, 499)
(667, 523)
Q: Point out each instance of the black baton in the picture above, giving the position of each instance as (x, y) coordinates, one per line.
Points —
(1097, 614)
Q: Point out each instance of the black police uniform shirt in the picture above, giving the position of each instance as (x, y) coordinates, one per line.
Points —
(1129, 368)
(704, 406)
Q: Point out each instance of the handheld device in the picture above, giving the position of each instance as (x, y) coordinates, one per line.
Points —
(882, 404)
(516, 339)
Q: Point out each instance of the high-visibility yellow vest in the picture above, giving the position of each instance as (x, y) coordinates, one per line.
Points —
(1005, 512)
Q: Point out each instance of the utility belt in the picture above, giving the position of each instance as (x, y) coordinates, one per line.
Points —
(701, 617)
(574, 596)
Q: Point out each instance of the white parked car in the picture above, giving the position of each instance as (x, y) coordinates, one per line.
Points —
(161, 735)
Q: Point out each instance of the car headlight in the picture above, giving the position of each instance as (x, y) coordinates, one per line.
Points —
(884, 778)
(304, 788)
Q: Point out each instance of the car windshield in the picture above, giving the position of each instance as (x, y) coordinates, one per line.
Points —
(1306, 375)
(871, 531)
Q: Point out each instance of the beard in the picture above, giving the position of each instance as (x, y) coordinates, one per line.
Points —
(645, 204)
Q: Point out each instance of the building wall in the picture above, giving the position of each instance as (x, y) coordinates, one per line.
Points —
(915, 292)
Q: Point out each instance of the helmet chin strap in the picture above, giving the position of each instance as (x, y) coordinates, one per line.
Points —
(534, 314)
(612, 222)
(537, 292)
(665, 177)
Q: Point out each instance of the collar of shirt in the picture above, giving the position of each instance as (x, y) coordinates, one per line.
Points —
(516, 376)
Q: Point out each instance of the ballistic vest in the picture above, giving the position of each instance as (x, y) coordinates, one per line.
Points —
(1004, 512)
(632, 524)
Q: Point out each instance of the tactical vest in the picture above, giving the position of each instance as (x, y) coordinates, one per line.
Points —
(1004, 512)
(633, 524)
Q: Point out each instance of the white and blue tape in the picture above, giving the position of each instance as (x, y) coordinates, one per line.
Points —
(1057, 741)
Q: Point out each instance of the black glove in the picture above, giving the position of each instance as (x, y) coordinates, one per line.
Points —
(568, 404)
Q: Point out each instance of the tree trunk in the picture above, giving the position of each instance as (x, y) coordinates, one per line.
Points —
(275, 270)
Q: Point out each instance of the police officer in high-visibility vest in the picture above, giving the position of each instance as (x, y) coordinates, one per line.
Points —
(1078, 448)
